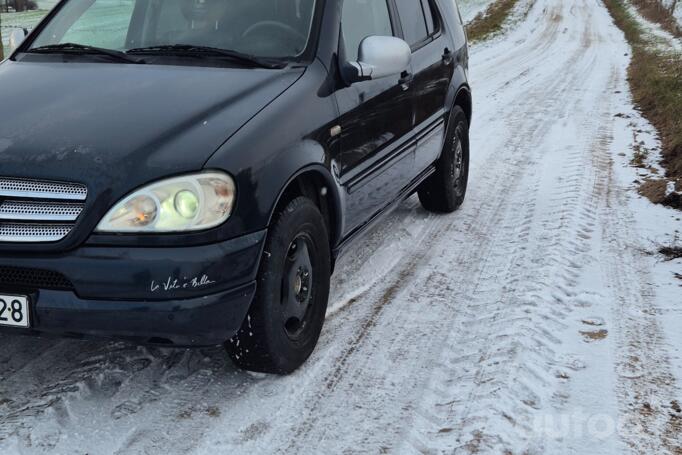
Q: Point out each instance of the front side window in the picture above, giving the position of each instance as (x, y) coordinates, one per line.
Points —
(262, 28)
(363, 18)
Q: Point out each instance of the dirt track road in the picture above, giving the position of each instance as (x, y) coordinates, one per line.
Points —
(471, 333)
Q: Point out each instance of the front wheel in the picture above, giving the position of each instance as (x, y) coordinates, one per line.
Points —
(445, 190)
(286, 317)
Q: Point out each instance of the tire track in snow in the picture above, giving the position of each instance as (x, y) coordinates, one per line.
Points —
(647, 390)
(491, 407)
(41, 385)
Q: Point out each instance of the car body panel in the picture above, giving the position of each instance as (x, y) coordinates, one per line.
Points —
(294, 131)
(151, 274)
(376, 153)
(203, 321)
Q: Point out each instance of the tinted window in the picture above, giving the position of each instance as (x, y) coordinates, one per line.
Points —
(363, 18)
(428, 14)
(412, 20)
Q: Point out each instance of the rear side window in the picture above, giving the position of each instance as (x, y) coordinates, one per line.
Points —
(417, 20)
(363, 18)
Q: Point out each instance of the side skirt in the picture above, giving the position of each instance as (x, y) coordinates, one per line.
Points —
(358, 233)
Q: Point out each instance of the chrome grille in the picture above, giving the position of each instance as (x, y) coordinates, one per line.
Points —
(45, 211)
(21, 232)
(35, 189)
(38, 211)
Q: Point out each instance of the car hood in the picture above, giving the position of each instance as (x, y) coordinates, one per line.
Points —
(115, 127)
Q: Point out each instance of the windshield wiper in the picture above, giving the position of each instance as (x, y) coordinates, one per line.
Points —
(82, 49)
(201, 51)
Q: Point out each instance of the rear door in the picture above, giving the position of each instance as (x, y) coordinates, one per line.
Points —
(433, 66)
(377, 151)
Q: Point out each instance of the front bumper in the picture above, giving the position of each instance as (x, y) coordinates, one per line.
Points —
(183, 296)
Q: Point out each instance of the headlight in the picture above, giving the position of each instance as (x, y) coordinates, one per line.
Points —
(188, 203)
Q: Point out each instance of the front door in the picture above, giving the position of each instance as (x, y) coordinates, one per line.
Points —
(376, 157)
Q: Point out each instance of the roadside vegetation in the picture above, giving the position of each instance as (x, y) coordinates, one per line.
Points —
(656, 83)
(491, 21)
(659, 13)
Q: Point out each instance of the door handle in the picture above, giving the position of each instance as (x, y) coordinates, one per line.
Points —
(406, 79)
(448, 57)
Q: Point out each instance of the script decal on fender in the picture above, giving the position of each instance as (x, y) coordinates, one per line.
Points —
(174, 284)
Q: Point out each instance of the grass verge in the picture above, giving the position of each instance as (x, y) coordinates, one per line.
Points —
(654, 77)
(490, 22)
(656, 12)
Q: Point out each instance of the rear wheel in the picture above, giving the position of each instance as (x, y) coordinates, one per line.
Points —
(288, 311)
(445, 190)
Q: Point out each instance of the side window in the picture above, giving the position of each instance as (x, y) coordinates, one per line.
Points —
(412, 19)
(417, 19)
(431, 26)
(363, 18)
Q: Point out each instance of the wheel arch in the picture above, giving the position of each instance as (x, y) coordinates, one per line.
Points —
(464, 100)
(316, 183)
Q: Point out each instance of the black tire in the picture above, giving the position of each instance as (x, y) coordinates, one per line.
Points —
(445, 190)
(286, 317)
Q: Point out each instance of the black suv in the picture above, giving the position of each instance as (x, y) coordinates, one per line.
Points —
(185, 172)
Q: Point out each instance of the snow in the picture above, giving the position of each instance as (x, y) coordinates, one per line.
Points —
(538, 319)
(470, 8)
(659, 37)
(676, 7)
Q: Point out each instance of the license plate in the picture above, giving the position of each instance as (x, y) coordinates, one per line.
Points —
(14, 311)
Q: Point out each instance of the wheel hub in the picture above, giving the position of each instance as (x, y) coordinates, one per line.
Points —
(458, 160)
(297, 286)
(302, 284)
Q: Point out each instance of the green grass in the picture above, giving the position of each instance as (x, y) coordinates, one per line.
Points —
(655, 78)
(491, 21)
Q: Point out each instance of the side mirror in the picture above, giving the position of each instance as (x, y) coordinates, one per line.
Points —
(16, 38)
(378, 57)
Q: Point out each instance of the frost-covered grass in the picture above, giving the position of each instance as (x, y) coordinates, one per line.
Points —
(654, 76)
(471, 8)
(660, 13)
(26, 19)
(490, 22)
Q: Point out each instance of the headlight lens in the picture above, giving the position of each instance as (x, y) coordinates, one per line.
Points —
(188, 203)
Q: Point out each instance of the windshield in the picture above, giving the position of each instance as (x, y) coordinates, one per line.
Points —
(262, 28)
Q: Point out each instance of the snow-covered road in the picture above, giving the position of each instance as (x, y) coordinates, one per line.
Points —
(534, 320)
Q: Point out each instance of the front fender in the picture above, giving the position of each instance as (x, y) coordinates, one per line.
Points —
(288, 137)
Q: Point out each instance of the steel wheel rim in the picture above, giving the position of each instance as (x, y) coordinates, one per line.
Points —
(458, 165)
(297, 286)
